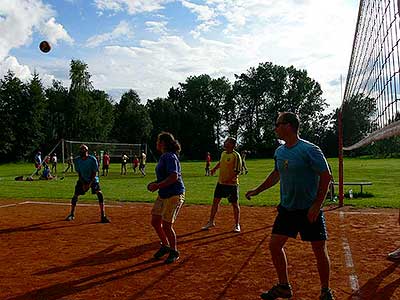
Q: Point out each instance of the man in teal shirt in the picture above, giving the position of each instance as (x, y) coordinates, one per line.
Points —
(87, 167)
(304, 177)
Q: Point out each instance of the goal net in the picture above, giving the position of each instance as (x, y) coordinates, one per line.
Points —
(374, 71)
(115, 150)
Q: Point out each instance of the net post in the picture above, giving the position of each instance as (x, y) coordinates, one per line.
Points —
(340, 156)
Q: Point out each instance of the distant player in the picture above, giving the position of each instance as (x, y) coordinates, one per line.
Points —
(54, 162)
(124, 161)
(244, 170)
(208, 163)
(106, 163)
(228, 183)
(38, 162)
(87, 167)
(171, 195)
(142, 164)
(135, 163)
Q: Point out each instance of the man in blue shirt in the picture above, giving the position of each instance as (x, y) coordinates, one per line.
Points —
(304, 177)
(87, 167)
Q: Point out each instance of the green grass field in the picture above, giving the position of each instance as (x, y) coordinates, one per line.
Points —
(383, 173)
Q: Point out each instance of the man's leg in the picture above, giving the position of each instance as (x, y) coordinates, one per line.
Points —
(236, 212)
(71, 215)
(323, 263)
(214, 209)
(103, 217)
(279, 257)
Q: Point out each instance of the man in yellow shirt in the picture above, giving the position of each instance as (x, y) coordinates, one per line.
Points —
(230, 166)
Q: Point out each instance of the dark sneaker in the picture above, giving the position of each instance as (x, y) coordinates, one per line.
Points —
(172, 257)
(70, 217)
(395, 255)
(162, 251)
(104, 219)
(278, 291)
(326, 294)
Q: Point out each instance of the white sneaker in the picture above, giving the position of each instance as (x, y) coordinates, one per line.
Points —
(395, 255)
(236, 228)
(208, 225)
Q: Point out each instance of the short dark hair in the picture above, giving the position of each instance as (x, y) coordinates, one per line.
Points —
(290, 118)
(231, 140)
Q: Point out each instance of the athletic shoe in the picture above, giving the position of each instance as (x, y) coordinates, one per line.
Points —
(162, 251)
(395, 255)
(172, 257)
(70, 217)
(278, 291)
(326, 294)
(208, 225)
(104, 219)
(236, 228)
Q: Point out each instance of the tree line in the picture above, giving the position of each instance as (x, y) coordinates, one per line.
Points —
(200, 112)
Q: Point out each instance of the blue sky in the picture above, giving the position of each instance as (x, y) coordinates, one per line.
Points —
(152, 45)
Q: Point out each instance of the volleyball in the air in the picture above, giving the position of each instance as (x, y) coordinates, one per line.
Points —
(44, 46)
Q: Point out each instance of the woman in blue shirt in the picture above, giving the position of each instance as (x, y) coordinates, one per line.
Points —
(171, 195)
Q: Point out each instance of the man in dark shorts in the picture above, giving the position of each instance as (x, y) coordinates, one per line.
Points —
(87, 167)
(228, 183)
(304, 178)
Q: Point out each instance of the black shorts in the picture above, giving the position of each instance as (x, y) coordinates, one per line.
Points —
(105, 167)
(290, 223)
(95, 186)
(227, 191)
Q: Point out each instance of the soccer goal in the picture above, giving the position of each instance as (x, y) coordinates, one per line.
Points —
(115, 150)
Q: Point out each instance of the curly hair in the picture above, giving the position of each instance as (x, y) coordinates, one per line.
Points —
(170, 143)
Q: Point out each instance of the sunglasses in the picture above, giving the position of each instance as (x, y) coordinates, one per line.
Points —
(279, 123)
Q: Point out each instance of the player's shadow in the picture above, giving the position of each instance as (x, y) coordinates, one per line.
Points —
(223, 236)
(65, 289)
(371, 290)
(34, 227)
(109, 256)
(106, 256)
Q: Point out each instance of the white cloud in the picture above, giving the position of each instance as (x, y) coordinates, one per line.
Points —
(131, 6)
(204, 12)
(313, 35)
(157, 27)
(155, 66)
(123, 29)
(11, 63)
(54, 31)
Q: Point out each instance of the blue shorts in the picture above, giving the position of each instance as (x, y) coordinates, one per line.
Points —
(290, 223)
(95, 186)
(227, 191)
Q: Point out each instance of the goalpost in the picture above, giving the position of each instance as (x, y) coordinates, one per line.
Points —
(115, 150)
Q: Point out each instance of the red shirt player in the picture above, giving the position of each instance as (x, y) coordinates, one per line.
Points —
(208, 163)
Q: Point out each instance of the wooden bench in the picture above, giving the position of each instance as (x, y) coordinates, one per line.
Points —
(361, 184)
